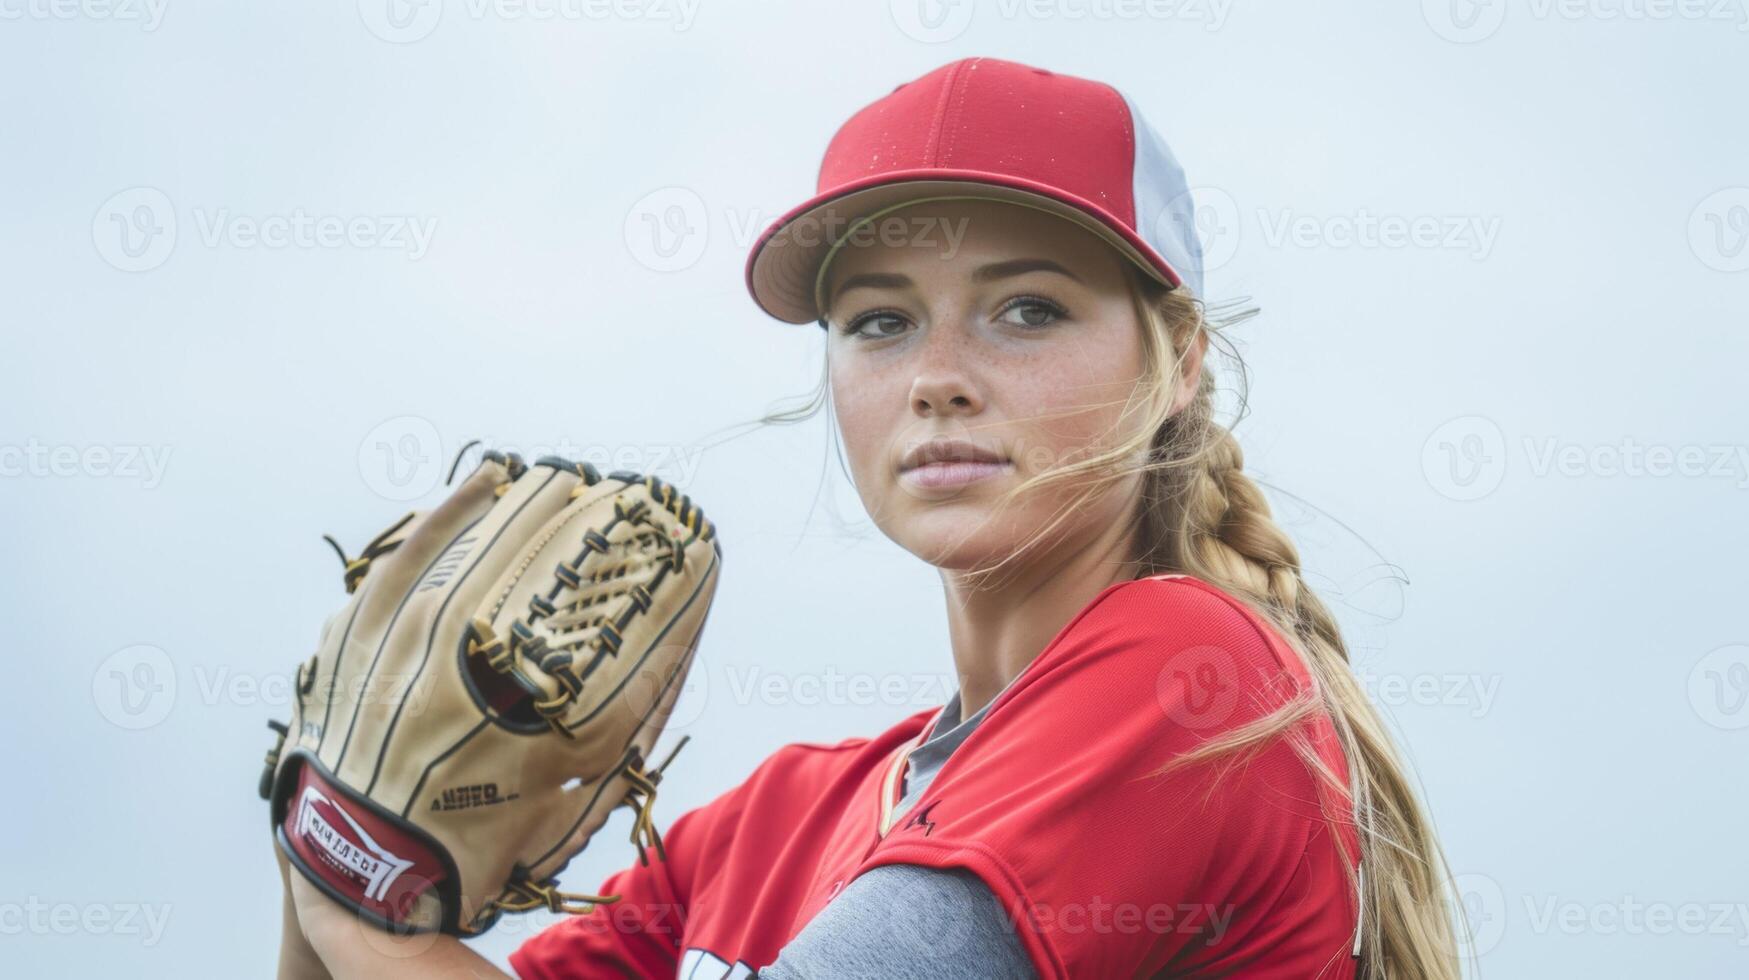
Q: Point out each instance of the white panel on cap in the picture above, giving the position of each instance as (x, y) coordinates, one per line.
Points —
(1165, 210)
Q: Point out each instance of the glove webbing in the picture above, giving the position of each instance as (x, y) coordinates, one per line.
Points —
(587, 628)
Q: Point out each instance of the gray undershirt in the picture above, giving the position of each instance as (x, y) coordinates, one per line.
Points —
(906, 920)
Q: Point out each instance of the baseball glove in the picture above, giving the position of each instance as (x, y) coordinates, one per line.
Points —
(491, 691)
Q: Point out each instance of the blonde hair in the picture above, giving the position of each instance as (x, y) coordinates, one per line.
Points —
(1198, 513)
(1202, 515)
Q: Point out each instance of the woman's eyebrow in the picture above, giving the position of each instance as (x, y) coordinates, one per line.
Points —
(983, 273)
(1015, 267)
(875, 280)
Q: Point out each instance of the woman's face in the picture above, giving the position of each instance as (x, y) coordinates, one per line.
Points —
(973, 344)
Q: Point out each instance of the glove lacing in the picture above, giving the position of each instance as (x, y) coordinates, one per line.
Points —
(642, 798)
(378, 547)
(612, 580)
(523, 894)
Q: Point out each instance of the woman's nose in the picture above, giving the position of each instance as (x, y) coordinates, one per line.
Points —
(931, 397)
(942, 385)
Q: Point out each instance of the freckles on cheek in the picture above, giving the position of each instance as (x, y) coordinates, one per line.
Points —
(857, 406)
(1076, 396)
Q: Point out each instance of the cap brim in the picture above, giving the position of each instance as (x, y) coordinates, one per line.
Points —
(786, 259)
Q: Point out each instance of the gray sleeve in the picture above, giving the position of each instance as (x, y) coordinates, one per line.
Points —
(903, 920)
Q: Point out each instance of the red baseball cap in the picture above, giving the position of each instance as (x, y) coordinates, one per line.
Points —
(997, 130)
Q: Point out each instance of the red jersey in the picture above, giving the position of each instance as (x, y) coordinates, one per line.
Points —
(1228, 868)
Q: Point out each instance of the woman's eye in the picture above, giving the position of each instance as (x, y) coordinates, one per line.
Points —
(1032, 312)
(876, 326)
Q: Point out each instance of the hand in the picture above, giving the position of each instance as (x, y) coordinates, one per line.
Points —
(348, 946)
(298, 960)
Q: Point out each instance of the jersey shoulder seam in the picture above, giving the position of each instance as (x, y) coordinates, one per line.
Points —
(1265, 631)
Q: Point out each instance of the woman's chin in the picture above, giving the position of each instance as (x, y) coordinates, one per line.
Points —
(958, 539)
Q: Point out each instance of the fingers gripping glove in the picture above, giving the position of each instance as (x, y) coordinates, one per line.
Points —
(491, 692)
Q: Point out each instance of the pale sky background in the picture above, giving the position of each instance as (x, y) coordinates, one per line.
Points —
(1535, 415)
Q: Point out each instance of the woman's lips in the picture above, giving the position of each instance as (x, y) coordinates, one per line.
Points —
(947, 474)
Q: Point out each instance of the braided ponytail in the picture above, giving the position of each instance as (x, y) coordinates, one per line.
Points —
(1200, 514)
(1215, 518)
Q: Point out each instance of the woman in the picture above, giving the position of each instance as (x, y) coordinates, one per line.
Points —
(1157, 762)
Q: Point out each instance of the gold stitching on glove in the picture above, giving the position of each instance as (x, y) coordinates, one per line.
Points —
(521, 894)
(642, 798)
(356, 567)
